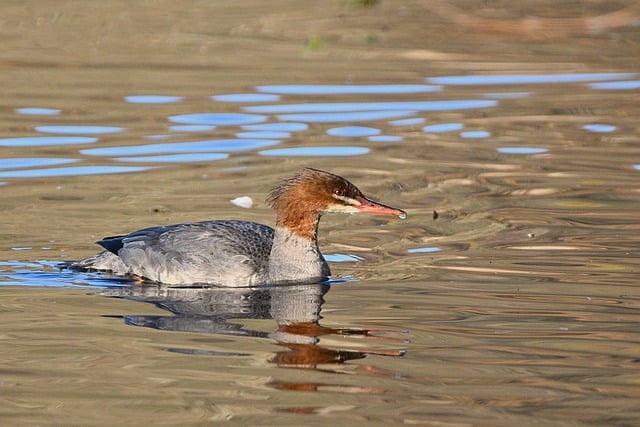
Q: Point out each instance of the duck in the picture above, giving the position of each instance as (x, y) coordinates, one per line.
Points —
(236, 253)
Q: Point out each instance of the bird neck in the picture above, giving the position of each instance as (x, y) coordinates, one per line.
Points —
(300, 219)
(295, 258)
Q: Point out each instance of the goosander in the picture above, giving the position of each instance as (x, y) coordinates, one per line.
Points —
(240, 253)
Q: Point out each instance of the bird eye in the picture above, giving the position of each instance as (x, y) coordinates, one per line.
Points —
(338, 192)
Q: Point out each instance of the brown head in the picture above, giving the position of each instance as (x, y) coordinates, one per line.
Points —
(300, 200)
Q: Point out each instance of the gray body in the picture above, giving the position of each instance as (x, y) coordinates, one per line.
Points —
(226, 253)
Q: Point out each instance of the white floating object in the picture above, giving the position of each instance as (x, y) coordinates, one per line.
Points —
(243, 201)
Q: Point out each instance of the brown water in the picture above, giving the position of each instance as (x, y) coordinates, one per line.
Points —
(518, 305)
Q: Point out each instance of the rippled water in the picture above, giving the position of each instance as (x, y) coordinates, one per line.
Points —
(507, 297)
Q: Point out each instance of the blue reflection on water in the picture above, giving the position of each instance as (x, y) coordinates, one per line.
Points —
(624, 85)
(637, 167)
(507, 95)
(278, 127)
(353, 131)
(521, 150)
(71, 171)
(218, 119)
(219, 145)
(264, 134)
(192, 128)
(336, 107)
(442, 127)
(246, 97)
(46, 273)
(35, 141)
(345, 117)
(599, 128)
(36, 111)
(157, 137)
(152, 99)
(176, 158)
(30, 162)
(341, 258)
(527, 78)
(347, 89)
(385, 138)
(475, 134)
(79, 129)
(316, 151)
(407, 122)
(429, 249)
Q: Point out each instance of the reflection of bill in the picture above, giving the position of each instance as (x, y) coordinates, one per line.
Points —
(295, 308)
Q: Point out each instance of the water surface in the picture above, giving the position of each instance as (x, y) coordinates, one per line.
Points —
(507, 297)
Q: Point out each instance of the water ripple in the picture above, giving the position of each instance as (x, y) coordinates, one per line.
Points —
(221, 145)
(35, 141)
(152, 99)
(475, 134)
(264, 134)
(278, 127)
(38, 111)
(71, 171)
(507, 95)
(623, 85)
(427, 249)
(442, 127)
(407, 122)
(29, 162)
(176, 158)
(521, 150)
(345, 117)
(74, 129)
(336, 107)
(353, 131)
(599, 128)
(316, 151)
(348, 89)
(218, 119)
(342, 258)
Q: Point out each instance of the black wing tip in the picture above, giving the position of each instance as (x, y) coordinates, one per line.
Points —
(112, 244)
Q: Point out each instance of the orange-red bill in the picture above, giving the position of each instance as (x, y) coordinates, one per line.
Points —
(370, 206)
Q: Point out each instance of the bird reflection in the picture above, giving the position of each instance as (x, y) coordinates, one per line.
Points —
(295, 308)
